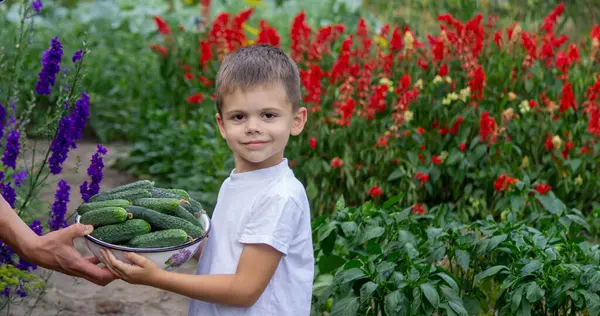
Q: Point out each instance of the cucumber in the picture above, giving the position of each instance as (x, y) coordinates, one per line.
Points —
(86, 207)
(163, 205)
(181, 212)
(194, 207)
(104, 216)
(161, 193)
(164, 221)
(129, 195)
(159, 239)
(122, 232)
(141, 184)
(179, 192)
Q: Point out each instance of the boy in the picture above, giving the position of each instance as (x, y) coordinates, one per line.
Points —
(259, 258)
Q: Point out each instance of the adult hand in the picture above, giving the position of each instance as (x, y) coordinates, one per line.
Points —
(56, 251)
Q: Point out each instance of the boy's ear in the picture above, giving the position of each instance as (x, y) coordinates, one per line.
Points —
(220, 123)
(300, 117)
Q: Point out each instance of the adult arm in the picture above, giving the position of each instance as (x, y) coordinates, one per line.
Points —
(54, 251)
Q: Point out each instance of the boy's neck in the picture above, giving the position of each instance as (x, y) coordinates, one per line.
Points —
(242, 165)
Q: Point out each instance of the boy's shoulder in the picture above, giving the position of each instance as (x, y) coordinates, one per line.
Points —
(285, 189)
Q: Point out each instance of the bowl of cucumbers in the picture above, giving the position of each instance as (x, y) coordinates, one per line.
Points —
(164, 225)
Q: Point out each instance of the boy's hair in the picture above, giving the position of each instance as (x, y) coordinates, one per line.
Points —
(259, 64)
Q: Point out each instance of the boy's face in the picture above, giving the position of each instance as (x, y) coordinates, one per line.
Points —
(257, 124)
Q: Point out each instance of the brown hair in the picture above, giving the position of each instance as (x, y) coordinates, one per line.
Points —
(259, 64)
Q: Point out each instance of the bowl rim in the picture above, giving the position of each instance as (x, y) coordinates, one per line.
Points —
(99, 242)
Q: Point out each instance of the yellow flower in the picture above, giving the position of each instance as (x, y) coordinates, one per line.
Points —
(448, 79)
(381, 41)
(465, 93)
(408, 40)
(524, 106)
(453, 96)
(419, 83)
(556, 142)
(255, 3)
(578, 180)
(446, 101)
(386, 82)
(437, 79)
(443, 155)
(408, 116)
(525, 162)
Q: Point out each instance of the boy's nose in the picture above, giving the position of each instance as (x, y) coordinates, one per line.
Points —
(252, 126)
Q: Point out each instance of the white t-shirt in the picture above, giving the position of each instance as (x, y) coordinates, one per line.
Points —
(267, 206)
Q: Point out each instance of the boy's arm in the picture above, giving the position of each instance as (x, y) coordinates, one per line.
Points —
(199, 251)
(254, 271)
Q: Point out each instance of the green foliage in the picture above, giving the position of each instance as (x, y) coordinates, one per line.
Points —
(388, 261)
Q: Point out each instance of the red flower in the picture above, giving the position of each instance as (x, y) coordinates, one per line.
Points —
(477, 82)
(336, 162)
(313, 142)
(196, 98)
(420, 130)
(487, 128)
(160, 49)
(268, 34)
(375, 191)
(503, 182)
(189, 76)
(436, 160)
(422, 177)
(462, 147)
(418, 209)
(548, 144)
(568, 98)
(163, 27)
(543, 188)
(443, 70)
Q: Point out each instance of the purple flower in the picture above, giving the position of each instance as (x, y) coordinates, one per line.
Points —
(179, 258)
(95, 172)
(59, 207)
(11, 151)
(37, 5)
(6, 292)
(6, 254)
(77, 56)
(8, 193)
(79, 116)
(50, 67)
(20, 178)
(60, 145)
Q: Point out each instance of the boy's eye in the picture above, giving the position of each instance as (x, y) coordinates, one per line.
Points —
(237, 117)
(270, 115)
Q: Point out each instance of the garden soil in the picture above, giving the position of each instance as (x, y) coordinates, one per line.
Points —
(69, 296)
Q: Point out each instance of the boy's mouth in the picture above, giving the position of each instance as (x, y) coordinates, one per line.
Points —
(255, 144)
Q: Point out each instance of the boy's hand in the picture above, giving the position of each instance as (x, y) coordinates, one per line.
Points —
(137, 273)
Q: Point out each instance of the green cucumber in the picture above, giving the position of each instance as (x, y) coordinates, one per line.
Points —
(129, 195)
(159, 239)
(164, 221)
(161, 193)
(104, 216)
(122, 232)
(163, 205)
(86, 207)
(181, 212)
(141, 184)
(179, 192)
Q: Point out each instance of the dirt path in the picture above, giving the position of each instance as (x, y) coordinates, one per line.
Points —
(68, 296)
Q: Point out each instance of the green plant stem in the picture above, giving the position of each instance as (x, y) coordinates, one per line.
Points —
(19, 45)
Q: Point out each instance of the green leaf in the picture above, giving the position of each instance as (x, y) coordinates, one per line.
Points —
(329, 263)
(449, 280)
(389, 203)
(458, 307)
(489, 272)
(517, 202)
(411, 251)
(480, 151)
(515, 300)
(397, 174)
(574, 164)
(373, 232)
(454, 157)
(349, 228)
(325, 230)
(347, 306)
(531, 267)
(534, 292)
(463, 258)
(495, 241)
(366, 291)
(431, 294)
(525, 309)
(340, 203)
(393, 302)
(349, 275)
(579, 220)
(551, 204)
